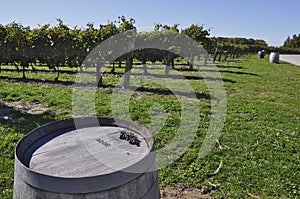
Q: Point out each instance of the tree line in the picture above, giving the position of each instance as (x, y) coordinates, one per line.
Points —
(53, 46)
(292, 42)
(60, 45)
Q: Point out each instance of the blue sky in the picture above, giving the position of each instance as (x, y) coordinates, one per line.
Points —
(271, 20)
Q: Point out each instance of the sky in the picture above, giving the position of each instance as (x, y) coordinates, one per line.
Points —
(270, 20)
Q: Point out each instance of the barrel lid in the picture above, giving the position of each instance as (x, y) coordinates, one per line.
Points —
(86, 152)
(84, 155)
(63, 149)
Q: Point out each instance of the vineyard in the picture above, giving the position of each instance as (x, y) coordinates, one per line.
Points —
(62, 46)
(257, 155)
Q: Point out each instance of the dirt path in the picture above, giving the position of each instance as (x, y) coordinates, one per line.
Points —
(28, 108)
(182, 192)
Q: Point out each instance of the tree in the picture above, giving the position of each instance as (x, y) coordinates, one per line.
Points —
(3, 51)
(200, 35)
(18, 45)
(164, 27)
(293, 42)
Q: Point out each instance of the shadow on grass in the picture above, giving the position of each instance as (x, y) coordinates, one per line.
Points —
(237, 67)
(169, 92)
(236, 60)
(221, 71)
(23, 122)
(31, 80)
(107, 74)
(232, 72)
(142, 89)
(183, 77)
(38, 71)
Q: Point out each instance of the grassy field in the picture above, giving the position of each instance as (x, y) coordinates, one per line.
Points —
(260, 141)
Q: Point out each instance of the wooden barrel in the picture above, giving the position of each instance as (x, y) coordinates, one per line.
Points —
(274, 57)
(261, 54)
(86, 158)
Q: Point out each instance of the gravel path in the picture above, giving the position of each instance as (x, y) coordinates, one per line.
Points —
(293, 59)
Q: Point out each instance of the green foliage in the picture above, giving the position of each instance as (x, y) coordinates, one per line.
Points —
(223, 48)
(243, 41)
(284, 50)
(293, 42)
(55, 46)
(64, 46)
(164, 27)
(290, 46)
(126, 24)
(197, 33)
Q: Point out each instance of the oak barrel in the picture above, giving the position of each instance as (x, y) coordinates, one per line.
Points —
(261, 54)
(86, 158)
(274, 57)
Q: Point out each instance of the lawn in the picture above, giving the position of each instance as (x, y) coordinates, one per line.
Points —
(259, 146)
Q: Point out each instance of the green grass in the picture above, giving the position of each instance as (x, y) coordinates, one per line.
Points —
(261, 132)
